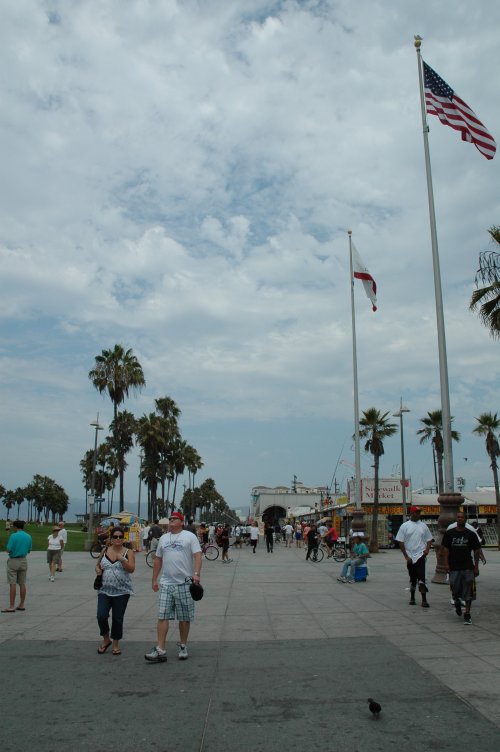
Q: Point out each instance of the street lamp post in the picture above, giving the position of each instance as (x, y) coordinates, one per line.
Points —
(399, 415)
(98, 428)
(141, 457)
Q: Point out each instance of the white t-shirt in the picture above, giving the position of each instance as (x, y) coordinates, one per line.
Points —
(63, 535)
(145, 532)
(415, 536)
(322, 530)
(254, 533)
(288, 529)
(176, 550)
(54, 543)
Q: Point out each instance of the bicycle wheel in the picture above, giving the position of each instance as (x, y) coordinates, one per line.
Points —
(211, 553)
(339, 553)
(150, 558)
(318, 555)
(95, 550)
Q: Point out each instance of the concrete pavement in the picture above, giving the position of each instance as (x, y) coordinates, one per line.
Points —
(281, 655)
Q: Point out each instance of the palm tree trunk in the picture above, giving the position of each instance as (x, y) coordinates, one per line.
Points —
(439, 459)
(497, 494)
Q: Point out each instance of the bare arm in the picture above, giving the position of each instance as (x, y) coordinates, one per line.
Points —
(403, 550)
(197, 558)
(157, 563)
(129, 563)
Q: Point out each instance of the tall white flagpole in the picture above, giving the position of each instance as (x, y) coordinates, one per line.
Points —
(357, 456)
(443, 363)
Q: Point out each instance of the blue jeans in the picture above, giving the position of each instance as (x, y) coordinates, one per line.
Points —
(117, 605)
(352, 564)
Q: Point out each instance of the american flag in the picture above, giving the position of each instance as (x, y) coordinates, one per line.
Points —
(441, 100)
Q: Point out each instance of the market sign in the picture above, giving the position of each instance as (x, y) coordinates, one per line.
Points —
(389, 490)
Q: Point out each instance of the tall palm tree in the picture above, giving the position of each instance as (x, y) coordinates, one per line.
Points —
(193, 463)
(433, 431)
(487, 298)
(150, 437)
(117, 372)
(488, 425)
(375, 427)
(121, 441)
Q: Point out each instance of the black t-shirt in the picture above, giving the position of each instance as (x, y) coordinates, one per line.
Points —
(268, 531)
(460, 544)
(312, 536)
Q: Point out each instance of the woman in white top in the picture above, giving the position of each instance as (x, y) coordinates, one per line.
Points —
(116, 564)
(55, 546)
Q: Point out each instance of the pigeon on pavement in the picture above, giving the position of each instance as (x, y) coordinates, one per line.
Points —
(375, 707)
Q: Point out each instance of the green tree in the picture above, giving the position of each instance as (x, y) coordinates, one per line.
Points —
(48, 497)
(117, 372)
(150, 437)
(193, 463)
(375, 428)
(486, 300)
(488, 426)
(9, 499)
(123, 429)
(433, 431)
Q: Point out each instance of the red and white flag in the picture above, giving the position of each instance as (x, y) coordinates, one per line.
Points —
(361, 272)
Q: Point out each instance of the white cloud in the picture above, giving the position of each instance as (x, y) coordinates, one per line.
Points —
(180, 177)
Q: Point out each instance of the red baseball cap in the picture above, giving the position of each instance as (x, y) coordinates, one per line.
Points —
(414, 509)
(177, 516)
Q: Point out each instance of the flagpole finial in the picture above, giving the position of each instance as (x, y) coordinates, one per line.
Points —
(349, 232)
(418, 41)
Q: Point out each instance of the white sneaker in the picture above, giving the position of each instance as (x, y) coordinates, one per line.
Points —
(183, 653)
(156, 655)
(341, 579)
(51, 578)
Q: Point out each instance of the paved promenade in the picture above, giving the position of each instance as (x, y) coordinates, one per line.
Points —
(281, 656)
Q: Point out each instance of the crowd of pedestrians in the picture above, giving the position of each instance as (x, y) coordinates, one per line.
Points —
(178, 561)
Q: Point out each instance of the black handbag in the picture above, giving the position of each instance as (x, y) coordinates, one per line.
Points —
(98, 582)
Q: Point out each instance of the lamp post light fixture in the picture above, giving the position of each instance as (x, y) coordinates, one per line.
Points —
(91, 500)
(399, 415)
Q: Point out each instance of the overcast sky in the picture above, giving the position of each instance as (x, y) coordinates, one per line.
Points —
(179, 177)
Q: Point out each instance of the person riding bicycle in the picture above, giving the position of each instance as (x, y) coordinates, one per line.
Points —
(155, 534)
(330, 539)
(203, 533)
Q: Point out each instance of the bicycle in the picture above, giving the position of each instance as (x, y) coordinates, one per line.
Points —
(338, 551)
(96, 548)
(317, 554)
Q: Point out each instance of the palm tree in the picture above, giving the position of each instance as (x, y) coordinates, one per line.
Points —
(121, 441)
(193, 463)
(488, 298)
(150, 437)
(375, 427)
(488, 425)
(117, 372)
(433, 430)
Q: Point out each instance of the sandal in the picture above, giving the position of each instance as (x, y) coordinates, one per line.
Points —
(102, 648)
(116, 652)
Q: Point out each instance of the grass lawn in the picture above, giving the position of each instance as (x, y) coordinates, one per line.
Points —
(40, 533)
